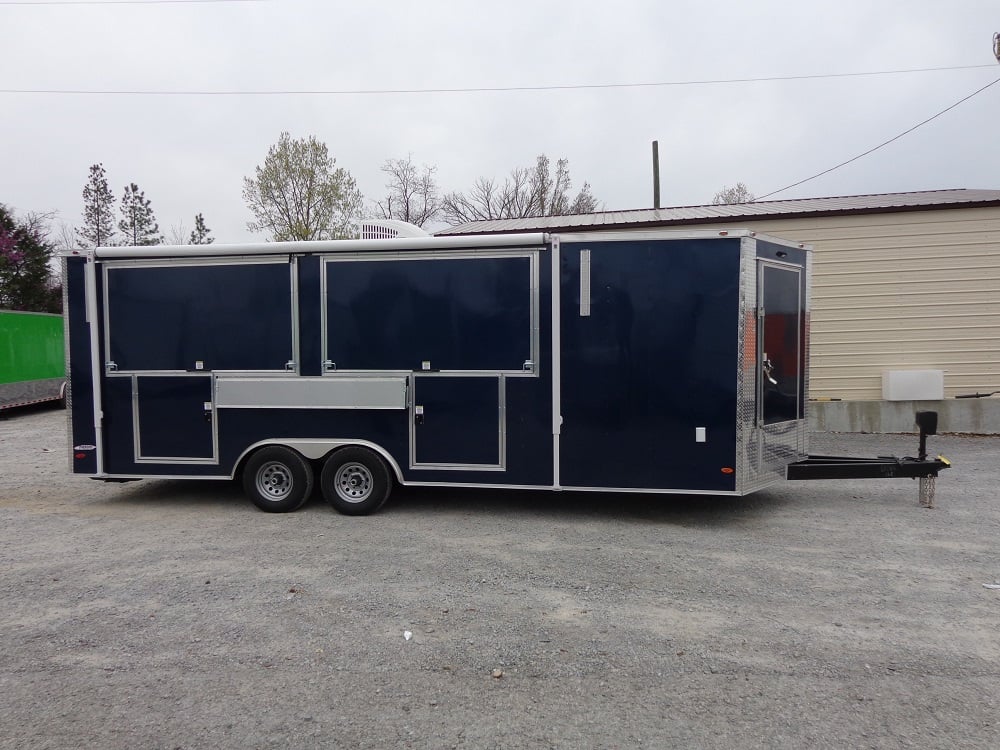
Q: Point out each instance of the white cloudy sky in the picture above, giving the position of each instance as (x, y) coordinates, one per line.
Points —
(189, 153)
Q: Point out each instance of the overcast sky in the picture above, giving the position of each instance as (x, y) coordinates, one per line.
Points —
(189, 153)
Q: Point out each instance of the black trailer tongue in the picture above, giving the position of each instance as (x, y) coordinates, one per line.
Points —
(882, 467)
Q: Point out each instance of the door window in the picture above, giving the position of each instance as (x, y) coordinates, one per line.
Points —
(780, 356)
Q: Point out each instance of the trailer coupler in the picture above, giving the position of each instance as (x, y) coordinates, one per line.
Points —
(884, 467)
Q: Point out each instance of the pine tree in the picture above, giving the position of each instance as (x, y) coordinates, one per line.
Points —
(98, 211)
(138, 223)
(201, 235)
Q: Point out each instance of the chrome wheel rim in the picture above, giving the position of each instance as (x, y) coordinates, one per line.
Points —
(274, 481)
(354, 482)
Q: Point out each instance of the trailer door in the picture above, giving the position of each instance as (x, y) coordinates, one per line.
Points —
(648, 352)
(457, 422)
(779, 344)
(174, 419)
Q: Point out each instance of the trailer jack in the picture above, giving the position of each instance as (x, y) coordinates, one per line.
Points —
(883, 467)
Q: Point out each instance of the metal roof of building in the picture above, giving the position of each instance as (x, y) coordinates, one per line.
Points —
(735, 212)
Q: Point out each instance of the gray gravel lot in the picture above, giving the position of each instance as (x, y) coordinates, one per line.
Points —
(171, 614)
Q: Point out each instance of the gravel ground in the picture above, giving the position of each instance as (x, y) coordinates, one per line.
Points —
(170, 614)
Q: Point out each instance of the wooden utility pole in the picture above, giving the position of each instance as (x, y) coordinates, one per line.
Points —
(656, 174)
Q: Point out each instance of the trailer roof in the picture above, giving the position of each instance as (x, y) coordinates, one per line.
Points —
(736, 212)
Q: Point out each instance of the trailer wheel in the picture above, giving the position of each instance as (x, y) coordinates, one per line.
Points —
(277, 479)
(355, 481)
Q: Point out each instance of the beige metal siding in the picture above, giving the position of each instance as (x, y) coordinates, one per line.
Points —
(905, 290)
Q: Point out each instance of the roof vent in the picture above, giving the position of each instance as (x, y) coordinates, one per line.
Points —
(389, 229)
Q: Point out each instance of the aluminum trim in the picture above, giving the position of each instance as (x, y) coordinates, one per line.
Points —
(501, 419)
(293, 270)
(111, 265)
(807, 322)
(315, 449)
(534, 333)
(411, 392)
(297, 392)
(619, 235)
(555, 356)
(651, 491)
(458, 467)
(585, 283)
(68, 392)
(435, 254)
(138, 458)
(780, 263)
(137, 477)
(502, 427)
(234, 260)
(797, 270)
(136, 446)
(171, 373)
(175, 461)
(96, 366)
(215, 250)
(478, 485)
(458, 373)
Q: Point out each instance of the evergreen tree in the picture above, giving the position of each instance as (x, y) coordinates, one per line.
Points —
(98, 211)
(138, 224)
(201, 235)
(25, 278)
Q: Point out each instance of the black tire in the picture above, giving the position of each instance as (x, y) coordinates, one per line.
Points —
(277, 479)
(355, 481)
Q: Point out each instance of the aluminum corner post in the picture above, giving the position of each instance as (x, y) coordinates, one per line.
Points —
(96, 369)
(556, 359)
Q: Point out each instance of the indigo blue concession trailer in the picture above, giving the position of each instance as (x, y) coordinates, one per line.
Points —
(651, 362)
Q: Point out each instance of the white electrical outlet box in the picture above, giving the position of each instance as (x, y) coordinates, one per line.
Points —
(912, 385)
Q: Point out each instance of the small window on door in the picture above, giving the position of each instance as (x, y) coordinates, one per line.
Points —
(781, 350)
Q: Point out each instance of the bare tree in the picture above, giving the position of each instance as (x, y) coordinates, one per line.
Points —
(65, 237)
(178, 234)
(738, 193)
(525, 192)
(413, 192)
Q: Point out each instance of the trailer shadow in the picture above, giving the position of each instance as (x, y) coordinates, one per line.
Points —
(622, 506)
(426, 502)
(186, 493)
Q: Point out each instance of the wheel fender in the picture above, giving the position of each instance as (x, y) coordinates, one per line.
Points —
(315, 450)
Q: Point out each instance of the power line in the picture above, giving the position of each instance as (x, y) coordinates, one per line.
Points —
(464, 90)
(122, 2)
(884, 143)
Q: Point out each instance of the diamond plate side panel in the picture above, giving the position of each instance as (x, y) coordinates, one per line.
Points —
(747, 475)
(763, 452)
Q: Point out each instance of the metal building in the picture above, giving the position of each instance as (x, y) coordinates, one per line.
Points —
(902, 282)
